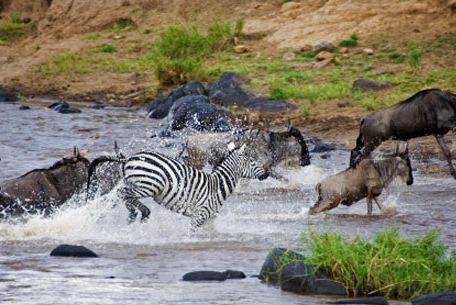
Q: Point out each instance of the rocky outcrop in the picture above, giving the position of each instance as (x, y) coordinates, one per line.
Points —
(440, 298)
(369, 85)
(73, 251)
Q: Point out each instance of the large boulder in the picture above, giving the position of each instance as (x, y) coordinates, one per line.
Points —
(63, 107)
(195, 111)
(6, 96)
(439, 298)
(227, 90)
(270, 271)
(369, 85)
(73, 251)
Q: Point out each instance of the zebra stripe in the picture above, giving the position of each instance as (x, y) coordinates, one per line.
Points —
(181, 188)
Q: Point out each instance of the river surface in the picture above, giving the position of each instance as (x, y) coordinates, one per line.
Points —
(144, 263)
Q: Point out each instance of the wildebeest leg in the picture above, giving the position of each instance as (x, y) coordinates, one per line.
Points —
(132, 203)
(379, 204)
(447, 153)
(369, 202)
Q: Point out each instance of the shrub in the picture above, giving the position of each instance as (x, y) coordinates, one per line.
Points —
(105, 48)
(11, 30)
(390, 265)
(180, 50)
(350, 42)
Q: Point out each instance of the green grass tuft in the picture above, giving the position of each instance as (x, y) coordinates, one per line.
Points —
(180, 50)
(105, 48)
(93, 36)
(414, 56)
(123, 24)
(11, 30)
(350, 42)
(389, 265)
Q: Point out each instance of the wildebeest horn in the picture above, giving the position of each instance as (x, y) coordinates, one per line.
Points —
(116, 148)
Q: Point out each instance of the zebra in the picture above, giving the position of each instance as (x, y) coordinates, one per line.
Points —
(179, 187)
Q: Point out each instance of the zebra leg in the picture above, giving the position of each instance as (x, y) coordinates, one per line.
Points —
(132, 203)
(199, 218)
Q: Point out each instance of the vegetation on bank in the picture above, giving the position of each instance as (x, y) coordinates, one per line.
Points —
(389, 265)
(11, 30)
(178, 53)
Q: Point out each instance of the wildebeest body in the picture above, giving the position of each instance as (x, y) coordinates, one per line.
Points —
(428, 112)
(41, 190)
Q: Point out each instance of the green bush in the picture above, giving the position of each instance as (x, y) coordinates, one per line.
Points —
(180, 50)
(350, 42)
(105, 48)
(414, 56)
(11, 30)
(390, 265)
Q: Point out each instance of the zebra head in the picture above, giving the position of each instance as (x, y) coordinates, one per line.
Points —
(249, 167)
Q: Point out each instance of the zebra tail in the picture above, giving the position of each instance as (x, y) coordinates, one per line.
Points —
(98, 161)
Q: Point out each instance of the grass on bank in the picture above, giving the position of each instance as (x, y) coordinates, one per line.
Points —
(389, 265)
(11, 30)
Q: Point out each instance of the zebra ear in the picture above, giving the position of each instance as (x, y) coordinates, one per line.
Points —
(231, 146)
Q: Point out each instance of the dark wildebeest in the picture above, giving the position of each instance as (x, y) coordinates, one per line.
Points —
(428, 112)
(42, 190)
(368, 179)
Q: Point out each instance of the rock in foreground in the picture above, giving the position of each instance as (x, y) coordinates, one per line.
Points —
(73, 251)
(439, 298)
(364, 301)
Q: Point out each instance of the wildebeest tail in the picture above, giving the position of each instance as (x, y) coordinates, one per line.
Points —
(318, 189)
(98, 161)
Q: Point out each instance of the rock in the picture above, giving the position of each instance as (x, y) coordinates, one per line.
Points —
(6, 96)
(69, 110)
(452, 5)
(323, 55)
(264, 104)
(289, 6)
(269, 271)
(438, 298)
(323, 147)
(364, 301)
(74, 251)
(233, 274)
(97, 106)
(368, 51)
(306, 48)
(59, 105)
(324, 46)
(343, 50)
(159, 108)
(24, 107)
(289, 56)
(342, 104)
(240, 48)
(227, 91)
(204, 276)
(303, 278)
(26, 20)
(323, 63)
(194, 111)
(194, 88)
(366, 85)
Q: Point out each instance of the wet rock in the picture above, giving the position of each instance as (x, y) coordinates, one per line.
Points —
(270, 270)
(24, 107)
(204, 276)
(325, 156)
(264, 104)
(195, 111)
(159, 108)
(440, 298)
(194, 88)
(69, 110)
(234, 274)
(59, 105)
(364, 301)
(227, 91)
(97, 106)
(323, 55)
(6, 96)
(324, 46)
(73, 251)
(366, 85)
(304, 278)
(324, 147)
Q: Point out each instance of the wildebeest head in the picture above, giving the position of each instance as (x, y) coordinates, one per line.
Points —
(250, 167)
(404, 167)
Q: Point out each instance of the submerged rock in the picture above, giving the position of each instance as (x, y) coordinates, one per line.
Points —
(73, 251)
(59, 105)
(98, 106)
(69, 110)
(323, 147)
(439, 298)
(364, 301)
(6, 96)
(24, 107)
(196, 276)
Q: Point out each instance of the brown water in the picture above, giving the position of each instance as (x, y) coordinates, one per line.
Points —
(144, 263)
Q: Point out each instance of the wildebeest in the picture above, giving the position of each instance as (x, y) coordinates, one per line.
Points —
(42, 190)
(367, 180)
(428, 112)
(268, 147)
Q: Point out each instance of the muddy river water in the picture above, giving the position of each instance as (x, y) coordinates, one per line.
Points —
(144, 263)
